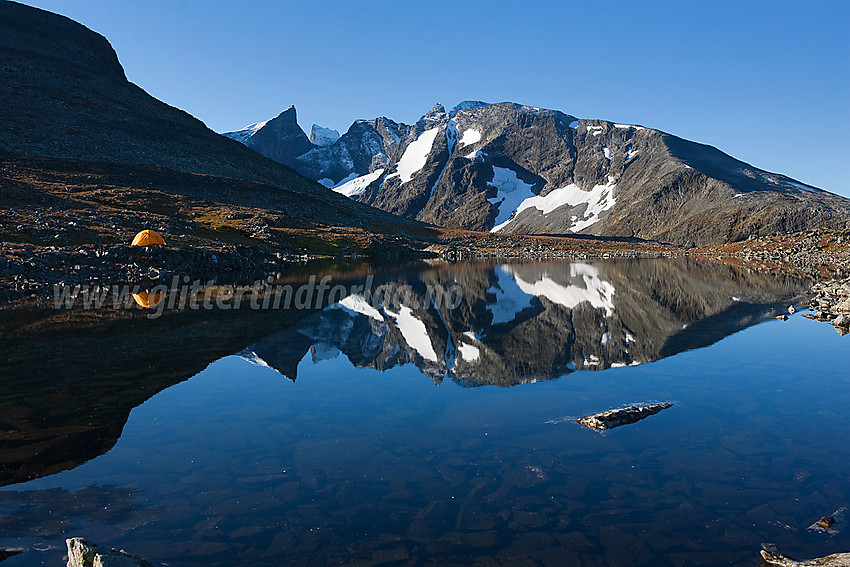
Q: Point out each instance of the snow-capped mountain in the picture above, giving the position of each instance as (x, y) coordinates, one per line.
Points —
(511, 168)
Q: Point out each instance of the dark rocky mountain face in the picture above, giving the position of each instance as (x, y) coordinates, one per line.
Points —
(512, 168)
(64, 96)
(281, 138)
(520, 323)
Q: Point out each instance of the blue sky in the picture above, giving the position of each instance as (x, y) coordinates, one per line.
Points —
(765, 81)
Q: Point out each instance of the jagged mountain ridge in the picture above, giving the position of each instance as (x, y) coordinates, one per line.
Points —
(513, 168)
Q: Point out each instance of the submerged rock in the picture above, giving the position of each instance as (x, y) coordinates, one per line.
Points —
(771, 557)
(623, 416)
(85, 554)
(831, 524)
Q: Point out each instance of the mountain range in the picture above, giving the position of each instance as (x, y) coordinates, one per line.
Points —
(87, 156)
(507, 167)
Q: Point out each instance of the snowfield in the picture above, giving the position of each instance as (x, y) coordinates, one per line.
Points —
(511, 193)
(598, 200)
(414, 332)
(470, 136)
(596, 291)
(415, 155)
(469, 353)
(351, 187)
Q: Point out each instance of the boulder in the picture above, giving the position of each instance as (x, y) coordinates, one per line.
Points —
(623, 416)
(82, 553)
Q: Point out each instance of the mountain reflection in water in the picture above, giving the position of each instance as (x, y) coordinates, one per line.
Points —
(523, 323)
(199, 458)
(70, 380)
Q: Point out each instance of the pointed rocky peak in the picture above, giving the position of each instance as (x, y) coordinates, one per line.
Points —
(287, 119)
(280, 138)
(434, 117)
(321, 136)
(438, 109)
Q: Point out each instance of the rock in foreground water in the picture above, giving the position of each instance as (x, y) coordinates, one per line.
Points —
(771, 557)
(85, 554)
(623, 416)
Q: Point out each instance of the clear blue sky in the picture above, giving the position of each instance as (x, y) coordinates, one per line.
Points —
(765, 81)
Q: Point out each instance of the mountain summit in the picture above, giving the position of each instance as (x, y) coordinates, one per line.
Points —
(507, 167)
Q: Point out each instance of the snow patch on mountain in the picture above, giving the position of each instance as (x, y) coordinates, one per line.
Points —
(628, 127)
(414, 332)
(598, 200)
(591, 288)
(607, 152)
(415, 155)
(511, 193)
(470, 136)
(469, 353)
(351, 187)
(475, 155)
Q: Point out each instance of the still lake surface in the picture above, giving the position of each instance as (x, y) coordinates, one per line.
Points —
(408, 433)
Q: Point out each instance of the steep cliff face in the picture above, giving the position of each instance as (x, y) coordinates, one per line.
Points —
(512, 168)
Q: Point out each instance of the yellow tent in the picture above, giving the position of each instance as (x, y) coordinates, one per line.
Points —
(148, 300)
(148, 238)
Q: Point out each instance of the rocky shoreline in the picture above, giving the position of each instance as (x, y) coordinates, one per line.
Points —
(820, 255)
(30, 271)
(831, 304)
